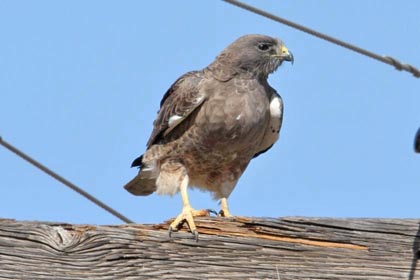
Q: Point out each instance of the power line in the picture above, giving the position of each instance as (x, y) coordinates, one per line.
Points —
(385, 59)
(64, 181)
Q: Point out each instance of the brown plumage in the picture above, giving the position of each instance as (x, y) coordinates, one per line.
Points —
(211, 124)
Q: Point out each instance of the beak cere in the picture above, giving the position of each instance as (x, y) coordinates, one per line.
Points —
(286, 55)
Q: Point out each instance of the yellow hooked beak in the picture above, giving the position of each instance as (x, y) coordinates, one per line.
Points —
(285, 54)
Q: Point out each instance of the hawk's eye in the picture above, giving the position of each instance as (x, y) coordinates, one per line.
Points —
(264, 46)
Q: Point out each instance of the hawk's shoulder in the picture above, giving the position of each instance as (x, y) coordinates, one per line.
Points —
(179, 101)
(272, 131)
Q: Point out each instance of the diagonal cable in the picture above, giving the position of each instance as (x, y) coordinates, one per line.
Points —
(385, 59)
(64, 181)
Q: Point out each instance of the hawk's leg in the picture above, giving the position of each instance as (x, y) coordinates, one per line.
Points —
(225, 208)
(188, 213)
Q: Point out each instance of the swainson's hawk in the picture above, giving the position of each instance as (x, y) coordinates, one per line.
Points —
(212, 123)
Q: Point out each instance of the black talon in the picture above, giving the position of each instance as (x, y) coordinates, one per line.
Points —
(212, 211)
(221, 213)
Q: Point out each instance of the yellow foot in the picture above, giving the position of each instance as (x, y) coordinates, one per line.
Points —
(225, 209)
(187, 215)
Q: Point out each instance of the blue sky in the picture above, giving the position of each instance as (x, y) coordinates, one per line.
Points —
(81, 82)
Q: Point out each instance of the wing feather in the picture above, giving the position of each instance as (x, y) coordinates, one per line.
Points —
(181, 99)
(272, 132)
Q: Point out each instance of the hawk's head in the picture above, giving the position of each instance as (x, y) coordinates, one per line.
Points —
(259, 55)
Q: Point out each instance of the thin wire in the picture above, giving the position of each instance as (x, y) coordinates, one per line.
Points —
(64, 181)
(385, 59)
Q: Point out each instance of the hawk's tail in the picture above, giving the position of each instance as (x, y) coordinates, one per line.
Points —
(145, 182)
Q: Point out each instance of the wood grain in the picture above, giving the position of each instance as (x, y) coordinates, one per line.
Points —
(240, 248)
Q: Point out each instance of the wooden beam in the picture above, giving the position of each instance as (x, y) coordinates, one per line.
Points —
(241, 248)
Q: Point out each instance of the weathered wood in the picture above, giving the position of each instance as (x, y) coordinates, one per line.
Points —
(241, 248)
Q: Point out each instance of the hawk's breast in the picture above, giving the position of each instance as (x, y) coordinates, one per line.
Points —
(235, 119)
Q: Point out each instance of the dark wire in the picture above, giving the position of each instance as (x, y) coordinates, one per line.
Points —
(386, 59)
(64, 181)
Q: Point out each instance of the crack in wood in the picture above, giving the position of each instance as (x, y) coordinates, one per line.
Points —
(248, 229)
(256, 234)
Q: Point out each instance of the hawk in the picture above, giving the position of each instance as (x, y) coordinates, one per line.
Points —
(211, 124)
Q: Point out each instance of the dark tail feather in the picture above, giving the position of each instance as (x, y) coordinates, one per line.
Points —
(138, 162)
(145, 182)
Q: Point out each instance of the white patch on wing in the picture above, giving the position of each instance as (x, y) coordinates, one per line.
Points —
(238, 117)
(174, 120)
(199, 99)
(275, 107)
(272, 133)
